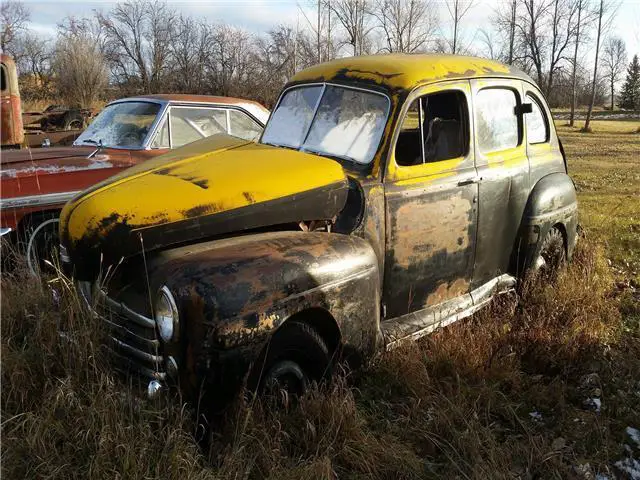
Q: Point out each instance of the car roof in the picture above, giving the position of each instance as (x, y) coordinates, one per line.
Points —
(406, 71)
(257, 110)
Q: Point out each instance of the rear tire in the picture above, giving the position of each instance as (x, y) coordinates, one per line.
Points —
(296, 357)
(552, 255)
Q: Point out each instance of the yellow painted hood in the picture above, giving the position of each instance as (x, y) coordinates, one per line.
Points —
(206, 189)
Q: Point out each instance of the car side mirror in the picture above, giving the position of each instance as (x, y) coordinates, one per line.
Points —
(523, 108)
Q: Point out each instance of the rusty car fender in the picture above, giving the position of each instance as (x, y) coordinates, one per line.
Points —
(551, 203)
(234, 294)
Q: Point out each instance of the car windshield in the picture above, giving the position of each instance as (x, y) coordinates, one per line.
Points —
(125, 125)
(329, 120)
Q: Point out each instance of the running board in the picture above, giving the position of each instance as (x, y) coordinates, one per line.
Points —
(414, 325)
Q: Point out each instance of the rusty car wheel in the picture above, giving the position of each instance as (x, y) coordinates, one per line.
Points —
(297, 356)
(42, 240)
(552, 254)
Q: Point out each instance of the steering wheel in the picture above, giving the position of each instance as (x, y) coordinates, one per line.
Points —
(130, 135)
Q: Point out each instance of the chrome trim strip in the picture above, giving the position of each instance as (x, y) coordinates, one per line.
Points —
(38, 200)
(5, 230)
(147, 357)
(125, 332)
(130, 314)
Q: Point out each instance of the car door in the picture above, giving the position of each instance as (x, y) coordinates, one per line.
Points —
(503, 168)
(430, 201)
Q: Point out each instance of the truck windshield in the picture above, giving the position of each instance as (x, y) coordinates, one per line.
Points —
(124, 125)
(329, 120)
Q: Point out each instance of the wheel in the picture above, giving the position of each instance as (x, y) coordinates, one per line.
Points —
(552, 254)
(73, 121)
(41, 237)
(296, 357)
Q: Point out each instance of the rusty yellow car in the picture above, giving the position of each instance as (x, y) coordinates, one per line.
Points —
(387, 196)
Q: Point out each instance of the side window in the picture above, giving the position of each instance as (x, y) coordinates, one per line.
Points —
(189, 124)
(3, 78)
(496, 119)
(434, 129)
(162, 136)
(537, 125)
(243, 126)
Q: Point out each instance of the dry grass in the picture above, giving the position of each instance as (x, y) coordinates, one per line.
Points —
(500, 395)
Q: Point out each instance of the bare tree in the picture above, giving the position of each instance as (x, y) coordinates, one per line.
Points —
(14, 16)
(503, 36)
(408, 25)
(581, 6)
(547, 28)
(601, 11)
(457, 10)
(614, 61)
(139, 34)
(354, 17)
(81, 70)
(190, 49)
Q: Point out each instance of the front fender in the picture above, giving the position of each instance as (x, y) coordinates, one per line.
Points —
(234, 293)
(552, 202)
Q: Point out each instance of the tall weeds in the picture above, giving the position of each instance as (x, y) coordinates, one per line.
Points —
(485, 398)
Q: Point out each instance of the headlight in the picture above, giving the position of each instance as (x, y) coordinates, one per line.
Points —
(166, 315)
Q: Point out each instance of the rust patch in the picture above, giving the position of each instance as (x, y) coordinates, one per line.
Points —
(446, 291)
(249, 197)
(416, 220)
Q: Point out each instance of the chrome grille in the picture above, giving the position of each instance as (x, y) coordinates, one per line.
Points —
(133, 339)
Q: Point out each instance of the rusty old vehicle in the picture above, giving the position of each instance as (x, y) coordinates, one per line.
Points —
(387, 196)
(57, 125)
(11, 131)
(35, 184)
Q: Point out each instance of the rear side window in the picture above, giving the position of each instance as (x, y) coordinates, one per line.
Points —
(243, 126)
(496, 120)
(537, 125)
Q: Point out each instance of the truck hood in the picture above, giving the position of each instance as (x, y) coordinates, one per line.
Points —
(206, 189)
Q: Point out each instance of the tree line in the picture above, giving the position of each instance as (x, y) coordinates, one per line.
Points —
(147, 46)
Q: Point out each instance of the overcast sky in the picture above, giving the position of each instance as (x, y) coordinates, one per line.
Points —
(260, 15)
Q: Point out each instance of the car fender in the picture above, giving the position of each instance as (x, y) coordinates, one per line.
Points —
(552, 202)
(233, 294)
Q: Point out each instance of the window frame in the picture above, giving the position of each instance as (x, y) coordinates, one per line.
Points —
(464, 121)
(5, 75)
(519, 117)
(197, 130)
(534, 99)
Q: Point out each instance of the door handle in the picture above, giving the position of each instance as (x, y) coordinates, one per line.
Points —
(469, 181)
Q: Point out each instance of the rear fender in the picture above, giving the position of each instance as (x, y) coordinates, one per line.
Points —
(552, 203)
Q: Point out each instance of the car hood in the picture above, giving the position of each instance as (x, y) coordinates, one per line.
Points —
(42, 161)
(206, 189)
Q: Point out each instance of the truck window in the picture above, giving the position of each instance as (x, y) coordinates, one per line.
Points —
(3, 78)
(243, 126)
(496, 120)
(434, 129)
(189, 124)
(537, 125)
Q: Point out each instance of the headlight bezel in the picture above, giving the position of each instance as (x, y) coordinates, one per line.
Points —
(168, 326)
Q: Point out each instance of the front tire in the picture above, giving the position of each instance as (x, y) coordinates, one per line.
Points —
(41, 239)
(296, 357)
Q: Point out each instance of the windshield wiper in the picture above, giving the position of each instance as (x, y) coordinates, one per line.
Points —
(280, 146)
(92, 141)
(333, 156)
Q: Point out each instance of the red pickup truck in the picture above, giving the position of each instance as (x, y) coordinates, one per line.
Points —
(36, 183)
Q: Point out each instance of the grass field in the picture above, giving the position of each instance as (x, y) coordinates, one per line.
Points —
(546, 385)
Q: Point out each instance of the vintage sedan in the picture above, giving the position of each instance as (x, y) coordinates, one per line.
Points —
(35, 184)
(387, 196)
